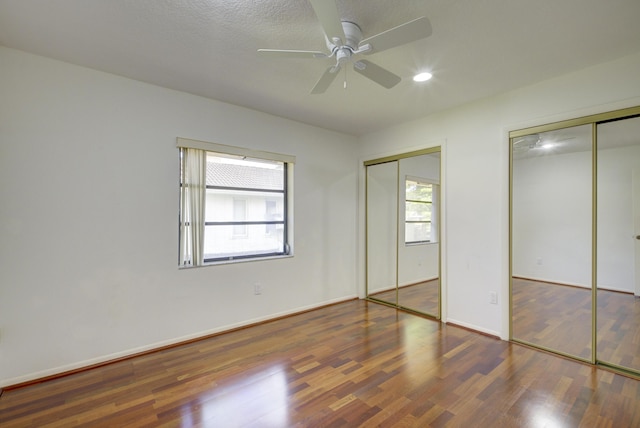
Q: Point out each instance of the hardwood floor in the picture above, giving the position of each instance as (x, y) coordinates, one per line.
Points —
(559, 317)
(422, 297)
(353, 364)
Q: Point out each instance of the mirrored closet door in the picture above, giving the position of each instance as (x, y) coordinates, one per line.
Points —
(575, 238)
(551, 205)
(403, 233)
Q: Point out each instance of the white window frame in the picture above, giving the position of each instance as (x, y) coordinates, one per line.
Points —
(196, 258)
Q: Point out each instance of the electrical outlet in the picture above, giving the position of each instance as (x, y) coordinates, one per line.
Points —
(493, 297)
(257, 288)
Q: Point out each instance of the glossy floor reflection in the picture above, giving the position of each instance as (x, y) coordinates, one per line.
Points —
(353, 364)
(422, 297)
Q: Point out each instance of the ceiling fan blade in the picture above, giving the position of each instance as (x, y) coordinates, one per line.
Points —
(376, 73)
(284, 53)
(326, 79)
(327, 13)
(405, 33)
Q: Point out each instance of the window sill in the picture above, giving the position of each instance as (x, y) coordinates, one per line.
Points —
(234, 261)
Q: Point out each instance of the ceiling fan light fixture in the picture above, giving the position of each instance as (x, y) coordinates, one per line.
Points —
(422, 77)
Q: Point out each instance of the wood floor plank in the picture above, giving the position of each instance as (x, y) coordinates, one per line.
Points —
(353, 364)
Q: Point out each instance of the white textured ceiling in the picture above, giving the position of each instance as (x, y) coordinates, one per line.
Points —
(208, 47)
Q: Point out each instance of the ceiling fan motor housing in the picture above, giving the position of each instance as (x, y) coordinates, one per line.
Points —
(353, 35)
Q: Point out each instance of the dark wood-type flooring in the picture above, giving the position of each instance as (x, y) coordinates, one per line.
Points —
(559, 317)
(352, 364)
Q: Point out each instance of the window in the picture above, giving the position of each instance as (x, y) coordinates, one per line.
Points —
(419, 212)
(234, 204)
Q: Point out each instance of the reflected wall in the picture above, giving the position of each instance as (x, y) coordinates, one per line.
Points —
(382, 235)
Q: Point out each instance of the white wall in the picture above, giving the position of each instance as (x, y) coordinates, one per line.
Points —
(475, 176)
(89, 218)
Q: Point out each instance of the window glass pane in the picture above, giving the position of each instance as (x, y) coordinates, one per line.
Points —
(245, 173)
(418, 211)
(418, 191)
(417, 232)
(239, 214)
(222, 242)
(225, 205)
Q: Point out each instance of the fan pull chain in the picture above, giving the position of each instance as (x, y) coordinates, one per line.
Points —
(345, 78)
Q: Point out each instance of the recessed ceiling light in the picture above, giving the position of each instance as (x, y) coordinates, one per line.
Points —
(547, 146)
(422, 77)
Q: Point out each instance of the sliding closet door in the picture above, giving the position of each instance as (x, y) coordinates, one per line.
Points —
(618, 243)
(403, 230)
(551, 238)
(575, 238)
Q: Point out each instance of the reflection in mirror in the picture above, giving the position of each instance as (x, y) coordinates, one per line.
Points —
(418, 251)
(382, 233)
(551, 206)
(618, 246)
(403, 231)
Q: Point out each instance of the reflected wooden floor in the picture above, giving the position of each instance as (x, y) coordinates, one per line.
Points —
(422, 297)
(559, 317)
(353, 364)
(553, 316)
(619, 329)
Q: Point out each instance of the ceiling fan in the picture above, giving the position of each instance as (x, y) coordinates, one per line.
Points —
(531, 144)
(344, 42)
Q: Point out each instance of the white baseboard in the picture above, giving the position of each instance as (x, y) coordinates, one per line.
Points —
(157, 345)
(474, 327)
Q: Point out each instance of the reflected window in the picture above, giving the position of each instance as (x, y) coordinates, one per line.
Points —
(418, 211)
